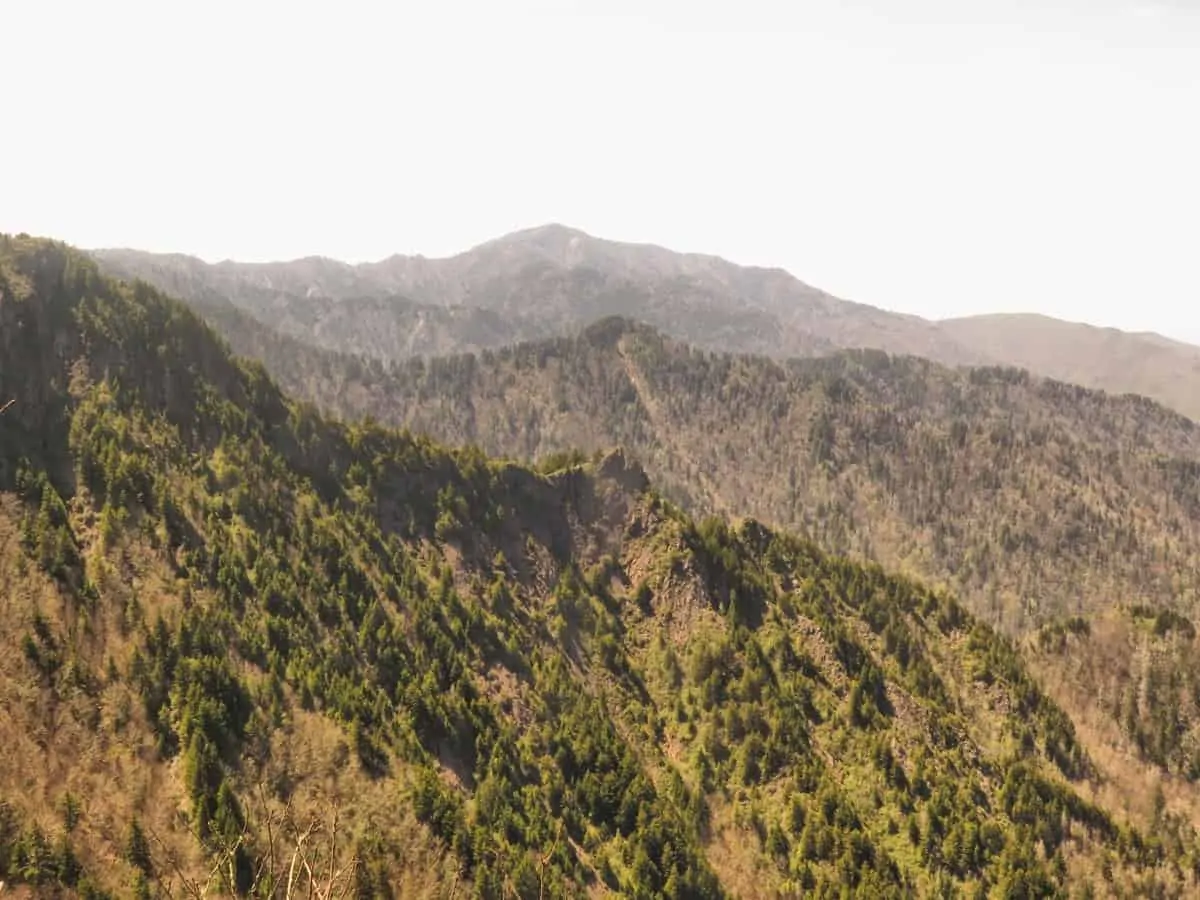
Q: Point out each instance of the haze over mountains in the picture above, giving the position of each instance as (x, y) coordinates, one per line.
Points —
(554, 280)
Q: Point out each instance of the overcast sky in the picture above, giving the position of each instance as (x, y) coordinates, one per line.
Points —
(941, 158)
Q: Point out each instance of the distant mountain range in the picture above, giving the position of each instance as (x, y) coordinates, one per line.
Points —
(551, 281)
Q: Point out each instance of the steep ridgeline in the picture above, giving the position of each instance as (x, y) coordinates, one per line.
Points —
(552, 281)
(1029, 498)
(228, 622)
(309, 302)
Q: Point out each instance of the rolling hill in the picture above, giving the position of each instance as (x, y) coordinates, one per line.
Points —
(420, 671)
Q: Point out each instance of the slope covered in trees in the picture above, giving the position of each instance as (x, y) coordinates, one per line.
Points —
(1133, 674)
(224, 614)
(1030, 498)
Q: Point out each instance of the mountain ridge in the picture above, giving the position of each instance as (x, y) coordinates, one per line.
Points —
(552, 280)
(609, 277)
(885, 437)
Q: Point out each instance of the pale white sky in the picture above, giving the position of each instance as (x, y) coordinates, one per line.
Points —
(936, 157)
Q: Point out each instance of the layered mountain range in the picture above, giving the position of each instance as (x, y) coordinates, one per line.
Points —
(551, 281)
(1029, 498)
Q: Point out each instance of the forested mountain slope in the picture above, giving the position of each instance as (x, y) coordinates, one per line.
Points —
(1133, 675)
(552, 281)
(1031, 498)
(223, 615)
(1130, 677)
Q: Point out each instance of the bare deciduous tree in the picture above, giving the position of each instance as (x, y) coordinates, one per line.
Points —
(299, 862)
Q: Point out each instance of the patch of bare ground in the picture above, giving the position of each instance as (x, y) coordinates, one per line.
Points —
(909, 719)
(734, 857)
(680, 603)
(503, 686)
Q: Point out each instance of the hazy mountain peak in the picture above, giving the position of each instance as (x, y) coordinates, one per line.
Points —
(551, 234)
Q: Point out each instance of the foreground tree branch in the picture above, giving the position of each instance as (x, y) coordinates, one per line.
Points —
(298, 861)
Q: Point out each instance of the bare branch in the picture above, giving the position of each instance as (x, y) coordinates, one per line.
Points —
(332, 846)
(301, 873)
(345, 875)
(189, 887)
(268, 863)
(300, 856)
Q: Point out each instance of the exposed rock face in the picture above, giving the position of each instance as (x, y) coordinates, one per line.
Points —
(629, 474)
